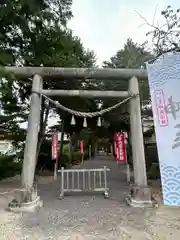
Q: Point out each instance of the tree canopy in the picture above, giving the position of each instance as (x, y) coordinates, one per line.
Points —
(133, 55)
(35, 33)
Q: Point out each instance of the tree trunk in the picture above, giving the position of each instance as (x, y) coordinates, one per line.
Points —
(43, 129)
(92, 149)
(70, 147)
(43, 124)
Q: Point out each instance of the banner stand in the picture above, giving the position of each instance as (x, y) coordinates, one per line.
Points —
(128, 177)
(55, 170)
(82, 159)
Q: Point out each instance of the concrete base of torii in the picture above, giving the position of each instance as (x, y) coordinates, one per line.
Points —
(140, 196)
(25, 201)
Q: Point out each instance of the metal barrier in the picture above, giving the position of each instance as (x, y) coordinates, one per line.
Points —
(84, 180)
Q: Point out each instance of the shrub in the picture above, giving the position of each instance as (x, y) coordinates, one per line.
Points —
(151, 155)
(45, 162)
(154, 171)
(66, 149)
(9, 167)
(86, 155)
(64, 160)
(76, 157)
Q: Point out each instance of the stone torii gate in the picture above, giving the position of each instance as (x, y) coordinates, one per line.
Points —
(140, 194)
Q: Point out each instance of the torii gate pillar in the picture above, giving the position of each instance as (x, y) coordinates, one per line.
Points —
(140, 193)
(26, 198)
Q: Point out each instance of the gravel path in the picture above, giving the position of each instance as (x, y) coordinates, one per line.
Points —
(91, 217)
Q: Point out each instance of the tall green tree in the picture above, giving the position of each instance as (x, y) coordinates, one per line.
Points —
(132, 55)
(35, 34)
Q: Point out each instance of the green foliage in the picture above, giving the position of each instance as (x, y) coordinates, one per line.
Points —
(9, 167)
(86, 136)
(45, 160)
(76, 157)
(66, 148)
(149, 133)
(132, 55)
(103, 143)
(154, 171)
(35, 33)
(86, 155)
(64, 160)
(151, 155)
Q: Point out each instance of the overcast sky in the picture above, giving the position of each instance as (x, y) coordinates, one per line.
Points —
(105, 25)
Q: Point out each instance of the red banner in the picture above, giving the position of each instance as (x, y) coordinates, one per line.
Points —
(81, 146)
(55, 146)
(120, 148)
(160, 105)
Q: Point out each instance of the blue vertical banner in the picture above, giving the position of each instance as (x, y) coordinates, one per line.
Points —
(164, 83)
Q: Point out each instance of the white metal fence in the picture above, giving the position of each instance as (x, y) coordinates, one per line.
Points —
(84, 180)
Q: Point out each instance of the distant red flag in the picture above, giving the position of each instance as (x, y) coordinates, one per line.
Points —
(81, 146)
(55, 146)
